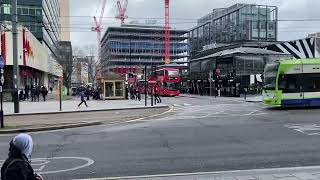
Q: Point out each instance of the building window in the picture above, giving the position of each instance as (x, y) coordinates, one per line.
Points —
(25, 11)
(19, 10)
(38, 12)
(6, 9)
(32, 12)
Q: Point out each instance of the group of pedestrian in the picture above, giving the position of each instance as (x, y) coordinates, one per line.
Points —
(86, 92)
(134, 93)
(33, 93)
(37, 91)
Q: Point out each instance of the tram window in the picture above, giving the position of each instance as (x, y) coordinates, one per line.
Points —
(290, 83)
(311, 82)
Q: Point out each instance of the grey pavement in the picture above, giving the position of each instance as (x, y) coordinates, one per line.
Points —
(72, 105)
(198, 135)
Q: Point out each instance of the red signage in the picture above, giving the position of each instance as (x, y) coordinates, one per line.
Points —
(152, 81)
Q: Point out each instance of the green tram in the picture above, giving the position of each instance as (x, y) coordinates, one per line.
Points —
(292, 83)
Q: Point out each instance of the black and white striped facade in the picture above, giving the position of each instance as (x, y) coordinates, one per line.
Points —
(299, 49)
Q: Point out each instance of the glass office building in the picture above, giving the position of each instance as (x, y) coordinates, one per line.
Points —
(42, 19)
(240, 22)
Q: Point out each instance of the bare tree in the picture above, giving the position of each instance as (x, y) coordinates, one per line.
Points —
(89, 53)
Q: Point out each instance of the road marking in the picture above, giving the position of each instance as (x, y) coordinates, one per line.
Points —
(308, 129)
(41, 163)
(216, 173)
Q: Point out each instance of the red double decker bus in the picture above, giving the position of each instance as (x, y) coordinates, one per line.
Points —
(168, 81)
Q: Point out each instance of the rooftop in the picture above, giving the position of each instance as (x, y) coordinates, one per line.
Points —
(241, 50)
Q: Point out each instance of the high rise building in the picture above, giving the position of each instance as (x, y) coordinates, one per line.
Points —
(240, 22)
(65, 20)
(41, 18)
(131, 47)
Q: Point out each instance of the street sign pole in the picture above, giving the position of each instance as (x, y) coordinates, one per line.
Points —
(60, 95)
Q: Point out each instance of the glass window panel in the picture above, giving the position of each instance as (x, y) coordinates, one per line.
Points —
(25, 11)
(290, 83)
(32, 12)
(38, 12)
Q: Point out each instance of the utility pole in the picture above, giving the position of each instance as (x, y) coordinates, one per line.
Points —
(15, 57)
(145, 86)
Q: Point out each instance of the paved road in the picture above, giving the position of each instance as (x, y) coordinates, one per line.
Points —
(201, 134)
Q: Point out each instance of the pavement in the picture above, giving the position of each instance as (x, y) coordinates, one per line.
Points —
(216, 135)
(27, 107)
(43, 116)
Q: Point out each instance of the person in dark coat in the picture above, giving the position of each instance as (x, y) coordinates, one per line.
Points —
(26, 94)
(33, 94)
(44, 92)
(82, 98)
(156, 95)
(38, 91)
(87, 93)
(17, 166)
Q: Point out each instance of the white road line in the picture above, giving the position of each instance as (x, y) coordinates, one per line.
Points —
(215, 173)
(46, 161)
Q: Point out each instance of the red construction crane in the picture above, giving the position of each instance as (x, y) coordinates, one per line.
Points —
(167, 32)
(122, 11)
(98, 28)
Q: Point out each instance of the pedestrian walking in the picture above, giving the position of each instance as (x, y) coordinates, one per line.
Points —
(51, 89)
(18, 164)
(100, 93)
(132, 95)
(33, 94)
(38, 91)
(156, 95)
(87, 93)
(26, 94)
(21, 95)
(82, 98)
(44, 92)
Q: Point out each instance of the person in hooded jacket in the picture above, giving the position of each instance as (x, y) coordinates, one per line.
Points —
(17, 166)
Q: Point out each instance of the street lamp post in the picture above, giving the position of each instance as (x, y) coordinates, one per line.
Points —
(15, 57)
(1, 91)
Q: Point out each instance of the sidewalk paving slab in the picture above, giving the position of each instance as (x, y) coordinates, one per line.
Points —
(37, 116)
(72, 106)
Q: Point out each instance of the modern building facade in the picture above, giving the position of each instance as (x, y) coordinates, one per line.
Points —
(240, 22)
(299, 49)
(229, 48)
(65, 20)
(130, 47)
(39, 20)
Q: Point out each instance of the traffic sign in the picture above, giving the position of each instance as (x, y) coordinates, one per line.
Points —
(2, 79)
(152, 81)
(1, 62)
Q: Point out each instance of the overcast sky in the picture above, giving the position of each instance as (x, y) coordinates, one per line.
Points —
(81, 34)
